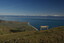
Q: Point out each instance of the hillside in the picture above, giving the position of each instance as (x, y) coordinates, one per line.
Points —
(55, 35)
(12, 32)
(7, 27)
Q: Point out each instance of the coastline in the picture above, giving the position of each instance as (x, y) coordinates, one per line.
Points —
(33, 26)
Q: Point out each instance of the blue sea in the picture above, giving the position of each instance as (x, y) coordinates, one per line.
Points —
(37, 21)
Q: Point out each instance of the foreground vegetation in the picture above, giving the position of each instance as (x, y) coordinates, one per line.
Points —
(54, 35)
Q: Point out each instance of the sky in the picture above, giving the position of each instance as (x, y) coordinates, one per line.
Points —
(32, 7)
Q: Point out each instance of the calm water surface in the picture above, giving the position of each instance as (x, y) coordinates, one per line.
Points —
(39, 20)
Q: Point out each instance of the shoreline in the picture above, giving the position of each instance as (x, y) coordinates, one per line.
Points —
(33, 26)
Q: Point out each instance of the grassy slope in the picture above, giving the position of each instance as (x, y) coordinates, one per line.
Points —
(7, 27)
(55, 35)
(29, 35)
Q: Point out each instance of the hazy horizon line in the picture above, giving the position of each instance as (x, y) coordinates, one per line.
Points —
(33, 15)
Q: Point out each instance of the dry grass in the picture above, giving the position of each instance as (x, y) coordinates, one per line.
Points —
(55, 35)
